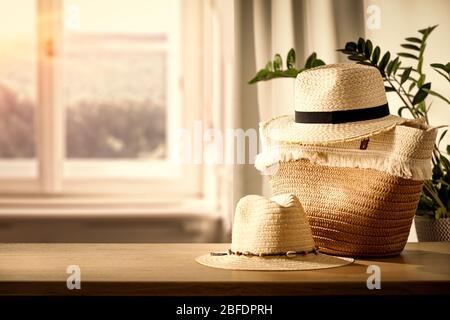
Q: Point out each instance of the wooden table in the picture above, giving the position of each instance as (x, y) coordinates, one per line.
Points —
(170, 269)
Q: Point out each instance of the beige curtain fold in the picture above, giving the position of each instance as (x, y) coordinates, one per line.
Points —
(279, 25)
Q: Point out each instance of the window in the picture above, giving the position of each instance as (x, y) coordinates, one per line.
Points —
(97, 85)
(17, 89)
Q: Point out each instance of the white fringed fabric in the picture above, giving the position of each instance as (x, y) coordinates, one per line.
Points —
(403, 151)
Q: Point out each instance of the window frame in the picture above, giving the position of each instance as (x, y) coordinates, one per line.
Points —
(50, 120)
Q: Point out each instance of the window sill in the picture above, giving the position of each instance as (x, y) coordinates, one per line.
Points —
(15, 207)
(104, 220)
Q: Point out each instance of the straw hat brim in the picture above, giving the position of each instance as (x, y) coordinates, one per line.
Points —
(284, 128)
(273, 263)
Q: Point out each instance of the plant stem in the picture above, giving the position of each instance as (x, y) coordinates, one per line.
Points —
(404, 91)
(402, 98)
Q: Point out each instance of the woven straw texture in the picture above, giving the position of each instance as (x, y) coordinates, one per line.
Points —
(271, 226)
(285, 128)
(432, 230)
(352, 211)
(342, 86)
(282, 225)
(308, 262)
(403, 151)
(335, 87)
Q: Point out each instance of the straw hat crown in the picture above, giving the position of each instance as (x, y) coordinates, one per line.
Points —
(334, 103)
(337, 87)
(275, 225)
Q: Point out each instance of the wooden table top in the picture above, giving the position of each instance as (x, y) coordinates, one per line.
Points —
(170, 269)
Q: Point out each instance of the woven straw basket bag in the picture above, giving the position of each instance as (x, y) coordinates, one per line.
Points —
(359, 182)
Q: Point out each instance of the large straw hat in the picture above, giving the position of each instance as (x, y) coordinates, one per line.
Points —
(333, 103)
(271, 234)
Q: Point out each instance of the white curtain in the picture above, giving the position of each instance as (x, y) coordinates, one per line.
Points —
(265, 27)
(320, 26)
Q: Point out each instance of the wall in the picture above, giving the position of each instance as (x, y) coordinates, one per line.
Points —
(401, 19)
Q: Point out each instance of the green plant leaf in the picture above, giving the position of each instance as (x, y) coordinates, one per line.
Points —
(361, 45)
(446, 68)
(397, 64)
(440, 212)
(389, 67)
(356, 57)
(350, 46)
(448, 150)
(260, 76)
(407, 55)
(310, 60)
(421, 94)
(277, 62)
(436, 172)
(441, 66)
(442, 137)
(413, 69)
(413, 39)
(426, 202)
(384, 61)
(411, 86)
(347, 51)
(405, 75)
(427, 31)
(273, 69)
(426, 86)
(422, 107)
(443, 182)
(376, 55)
(264, 75)
(317, 63)
(410, 46)
(291, 73)
(445, 162)
(368, 49)
(443, 74)
(419, 113)
(290, 60)
(388, 89)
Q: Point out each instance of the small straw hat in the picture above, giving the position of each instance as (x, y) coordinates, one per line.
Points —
(335, 103)
(271, 234)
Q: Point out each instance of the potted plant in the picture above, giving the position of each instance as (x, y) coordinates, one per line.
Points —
(410, 84)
